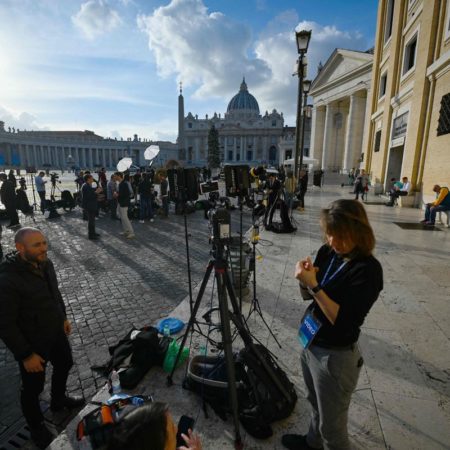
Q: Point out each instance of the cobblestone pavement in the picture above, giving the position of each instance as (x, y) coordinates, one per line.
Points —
(109, 286)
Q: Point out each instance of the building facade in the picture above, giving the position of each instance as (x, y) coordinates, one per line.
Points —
(339, 94)
(409, 114)
(67, 149)
(245, 136)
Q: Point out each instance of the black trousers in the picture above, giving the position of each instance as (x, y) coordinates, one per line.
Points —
(43, 201)
(11, 212)
(301, 198)
(58, 352)
(91, 222)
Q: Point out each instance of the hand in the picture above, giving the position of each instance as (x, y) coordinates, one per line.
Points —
(192, 441)
(34, 363)
(98, 190)
(305, 272)
(67, 327)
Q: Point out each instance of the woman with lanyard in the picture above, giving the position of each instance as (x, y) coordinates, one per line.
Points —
(344, 282)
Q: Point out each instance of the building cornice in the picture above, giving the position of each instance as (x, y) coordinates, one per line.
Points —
(440, 66)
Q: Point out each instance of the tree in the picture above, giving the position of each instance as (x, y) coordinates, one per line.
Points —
(213, 148)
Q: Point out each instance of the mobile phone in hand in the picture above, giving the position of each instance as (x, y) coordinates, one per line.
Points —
(184, 424)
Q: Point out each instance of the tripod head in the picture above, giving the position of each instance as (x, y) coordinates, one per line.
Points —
(220, 228)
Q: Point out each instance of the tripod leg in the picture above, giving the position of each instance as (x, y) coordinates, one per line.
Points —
(227, 341)
(191, 319)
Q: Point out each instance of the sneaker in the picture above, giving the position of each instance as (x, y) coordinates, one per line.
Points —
(130, 236)
(296, 442)
(41, 436)
(123, 233)
(423, 221)
(142, 221)
(429, 224)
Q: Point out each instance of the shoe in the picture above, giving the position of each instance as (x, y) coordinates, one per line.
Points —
(130, 236)
(93, 238)
(152, 220)
(423, 221)
(66, 402)
(142, 221)
(296, 442)
(389, 204)
(97, 234)
(41, 436)
(429, 224)
(123, 233)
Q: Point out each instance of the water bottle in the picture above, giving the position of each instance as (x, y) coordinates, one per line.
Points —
(115, 383)
(166, 330)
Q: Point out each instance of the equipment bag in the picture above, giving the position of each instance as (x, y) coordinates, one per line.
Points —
(264, 394)
(98, 425)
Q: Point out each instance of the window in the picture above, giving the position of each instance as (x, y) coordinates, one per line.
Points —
(383, 82)
(238, 156)
(409, 60)
(447, 22)
(288, 154)
(230, 140)
(230, 155)
(377, 141)
(444, 116)
(190, 125)
(249, 155)
(274, 123)
(389, 20)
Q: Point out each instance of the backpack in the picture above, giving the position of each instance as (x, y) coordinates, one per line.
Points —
(136, 353)
(97, 426)
(263, 397)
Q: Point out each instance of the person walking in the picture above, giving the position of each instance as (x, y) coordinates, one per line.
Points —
(34, 326)
(40, 188)
(343, 283)
(164, 193)
(90, 204)
(8, 198)
(12, 178)
(361, 184)
(302, 188)
(124, 204)
(145, 199)
(112, 193)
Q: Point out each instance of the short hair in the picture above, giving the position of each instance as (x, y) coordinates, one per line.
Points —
(3, 176)
(41, 173)
(21, 234)
(348, 219)
(87, 177)
(143, 426)
(118, 174)
(436, 187)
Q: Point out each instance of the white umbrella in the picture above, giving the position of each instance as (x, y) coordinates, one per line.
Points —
(124, 164)
(151, 152)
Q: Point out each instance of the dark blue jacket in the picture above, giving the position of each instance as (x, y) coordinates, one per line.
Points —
(88, 198)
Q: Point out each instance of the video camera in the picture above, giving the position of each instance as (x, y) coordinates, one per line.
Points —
(54, 177)
(220, 225)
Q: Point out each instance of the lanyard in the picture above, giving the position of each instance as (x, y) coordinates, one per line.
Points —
(326, 279)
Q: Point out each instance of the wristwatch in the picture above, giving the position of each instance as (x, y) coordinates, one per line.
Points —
(315, 289)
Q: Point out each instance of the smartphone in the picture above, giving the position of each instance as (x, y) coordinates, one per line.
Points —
(184, 424)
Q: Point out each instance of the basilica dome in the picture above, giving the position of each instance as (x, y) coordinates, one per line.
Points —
(243, 101)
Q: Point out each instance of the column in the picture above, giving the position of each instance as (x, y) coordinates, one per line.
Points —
(317, 132)
(328, 136)
(354, 134)
(90, 162)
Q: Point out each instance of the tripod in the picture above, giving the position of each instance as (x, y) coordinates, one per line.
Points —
(255, 306)
(225, 291)
(34, 191)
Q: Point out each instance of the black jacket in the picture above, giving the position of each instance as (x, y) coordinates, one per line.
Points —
(89, 198)
(124, 194)
(32, 310)
(8, 194)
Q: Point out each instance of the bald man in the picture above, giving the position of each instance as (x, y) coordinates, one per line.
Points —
(34, 326)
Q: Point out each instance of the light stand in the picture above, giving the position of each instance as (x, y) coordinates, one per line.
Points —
(306, 88)
(34, 191)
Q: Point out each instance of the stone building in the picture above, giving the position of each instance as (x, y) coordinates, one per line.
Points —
(338, 120)
(245, 136)
(65, 149)
(409, 104)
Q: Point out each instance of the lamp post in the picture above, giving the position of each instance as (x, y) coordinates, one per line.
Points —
(302, 38)
(306, 88)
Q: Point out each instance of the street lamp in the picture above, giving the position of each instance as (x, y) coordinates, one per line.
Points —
(306, 88)
(302, 38)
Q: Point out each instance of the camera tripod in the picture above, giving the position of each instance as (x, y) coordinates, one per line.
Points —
(225, 291)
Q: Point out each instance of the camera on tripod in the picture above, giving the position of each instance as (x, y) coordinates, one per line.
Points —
(220, 225)
(54, 178)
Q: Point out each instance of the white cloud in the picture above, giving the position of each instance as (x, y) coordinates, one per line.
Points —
(211, 52)
(95, 18)
(19, 120)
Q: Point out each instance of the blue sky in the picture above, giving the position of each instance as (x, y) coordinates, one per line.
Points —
(113, 66)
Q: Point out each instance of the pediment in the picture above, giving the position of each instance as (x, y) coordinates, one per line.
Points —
(340, 63)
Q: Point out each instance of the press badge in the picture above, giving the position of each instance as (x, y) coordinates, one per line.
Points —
(309, 327)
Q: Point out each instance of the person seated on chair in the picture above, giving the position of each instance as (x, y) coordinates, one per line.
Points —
(150, 427)
(442, 203)
(399, 190)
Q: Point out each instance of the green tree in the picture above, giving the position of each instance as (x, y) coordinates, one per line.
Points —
(213, 148)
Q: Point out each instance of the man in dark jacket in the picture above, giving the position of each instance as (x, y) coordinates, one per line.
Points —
(8, 198)
(145, 199)
(34, 326)
(89, 204)
(124, 204)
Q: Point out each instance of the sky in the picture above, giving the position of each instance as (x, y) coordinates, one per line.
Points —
(114, 66)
